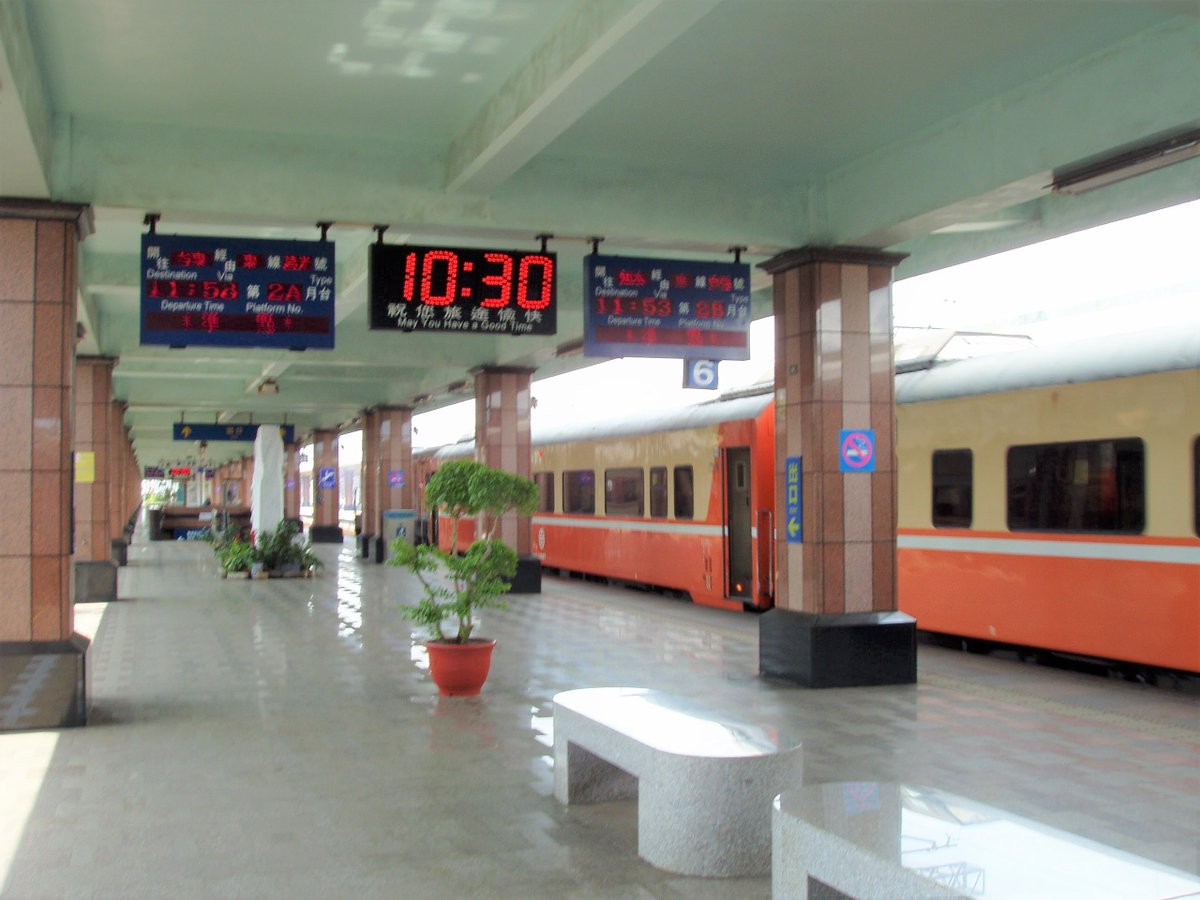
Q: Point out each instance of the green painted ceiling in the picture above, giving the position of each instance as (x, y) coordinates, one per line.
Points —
(670, 127)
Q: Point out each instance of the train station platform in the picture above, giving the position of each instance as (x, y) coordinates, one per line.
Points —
(282, 738)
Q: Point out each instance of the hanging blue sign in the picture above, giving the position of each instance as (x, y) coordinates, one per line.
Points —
(700, 374)
(665, 308)
(856, 450)
(236, 292)
(793, 520)
(207, 431)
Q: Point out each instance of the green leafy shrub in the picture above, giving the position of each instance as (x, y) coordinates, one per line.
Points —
(455, 586)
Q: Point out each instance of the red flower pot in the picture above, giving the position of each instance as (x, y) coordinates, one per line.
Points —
(459, 670)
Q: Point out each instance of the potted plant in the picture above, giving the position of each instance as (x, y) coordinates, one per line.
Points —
(281, 554)
(456, 586)
(235, 552)
(271, 553)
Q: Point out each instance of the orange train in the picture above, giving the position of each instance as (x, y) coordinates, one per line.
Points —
(1048, 498)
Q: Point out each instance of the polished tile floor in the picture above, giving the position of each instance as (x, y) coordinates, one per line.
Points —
(282, 739)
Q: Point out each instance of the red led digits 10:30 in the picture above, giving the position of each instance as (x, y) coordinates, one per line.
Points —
(438, 277)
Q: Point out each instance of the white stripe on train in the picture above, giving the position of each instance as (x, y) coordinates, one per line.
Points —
(1063, 549)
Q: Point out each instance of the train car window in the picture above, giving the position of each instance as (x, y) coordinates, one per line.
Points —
(623, 492)
(1196, 480)
(579, 492)
(658, 492)
(1078, 486)
(952, 488)
(545, 486)
(684, 492)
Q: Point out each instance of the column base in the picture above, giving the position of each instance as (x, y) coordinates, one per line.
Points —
(325, 534)
(95, 582)
(381, 549)
(528, 579)
(851, 650)
(43, 684)
(366, 545)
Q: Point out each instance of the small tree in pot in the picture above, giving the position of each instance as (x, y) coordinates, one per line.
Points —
(455, 586)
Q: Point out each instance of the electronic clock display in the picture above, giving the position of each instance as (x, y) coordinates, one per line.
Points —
(463, 290)
(665, 308)
(245, 292)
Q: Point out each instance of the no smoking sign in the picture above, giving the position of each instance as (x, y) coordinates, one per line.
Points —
(856, 451)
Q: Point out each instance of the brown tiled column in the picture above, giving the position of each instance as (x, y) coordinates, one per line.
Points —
(394, 474)
(502, 441)
(247, 481)
(835, 621)
(118, 509)
(95, 572)
(42, 660)
(291, 481)
(325, 528)
(369, 483)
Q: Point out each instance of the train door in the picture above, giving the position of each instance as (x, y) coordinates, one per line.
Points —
(737, 523)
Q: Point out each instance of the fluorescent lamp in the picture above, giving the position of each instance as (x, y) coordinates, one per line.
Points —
(1126, 162)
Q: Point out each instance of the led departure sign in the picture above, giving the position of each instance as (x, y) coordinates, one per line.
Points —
(666, 308)
(462, 290)
(240, 292)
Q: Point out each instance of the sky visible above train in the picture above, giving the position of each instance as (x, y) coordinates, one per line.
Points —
(1126, 276)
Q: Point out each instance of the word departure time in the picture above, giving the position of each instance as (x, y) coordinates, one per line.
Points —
(462, 290)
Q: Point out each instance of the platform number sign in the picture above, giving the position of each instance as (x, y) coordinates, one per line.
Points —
(856, 450)
(700, 374)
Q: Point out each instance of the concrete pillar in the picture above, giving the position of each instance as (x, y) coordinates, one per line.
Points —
(247, 488)
(325, 528)
(94, 569)
(42, 660)
(393, 472)
(291, 481)
(369, 484)
(835, 621)
(502, 441)
(118, 512)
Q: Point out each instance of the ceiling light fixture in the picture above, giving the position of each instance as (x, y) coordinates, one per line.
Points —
(1126, 162)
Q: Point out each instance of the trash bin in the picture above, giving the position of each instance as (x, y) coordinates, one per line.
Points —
(400, 523)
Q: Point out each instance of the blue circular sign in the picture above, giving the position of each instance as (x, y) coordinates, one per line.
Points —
(857, 451)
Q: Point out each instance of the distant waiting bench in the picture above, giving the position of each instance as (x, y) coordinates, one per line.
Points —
(878, 841)
(173, 521)
(703, 782)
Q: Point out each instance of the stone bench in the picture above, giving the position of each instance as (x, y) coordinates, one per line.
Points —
(703, 782)
(866, 840)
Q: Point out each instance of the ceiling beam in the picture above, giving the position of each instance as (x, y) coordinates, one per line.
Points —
(25, 114)
(596, 48)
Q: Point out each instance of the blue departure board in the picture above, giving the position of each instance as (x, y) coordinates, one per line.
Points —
(236, 292)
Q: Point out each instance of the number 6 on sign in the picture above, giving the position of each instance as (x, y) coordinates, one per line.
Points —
(700, 374)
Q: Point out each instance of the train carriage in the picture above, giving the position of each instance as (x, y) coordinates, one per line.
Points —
(1047, 498)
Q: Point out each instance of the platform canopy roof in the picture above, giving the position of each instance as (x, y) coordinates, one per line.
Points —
(667, 127)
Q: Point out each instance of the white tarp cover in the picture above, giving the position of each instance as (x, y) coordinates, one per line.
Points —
(266, 487)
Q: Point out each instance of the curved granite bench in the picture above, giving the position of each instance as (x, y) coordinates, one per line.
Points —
(704, 783)
(868, 840)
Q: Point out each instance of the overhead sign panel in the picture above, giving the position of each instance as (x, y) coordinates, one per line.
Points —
(666, 308)
(207, 431)
(237, 292)
(462, 290)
